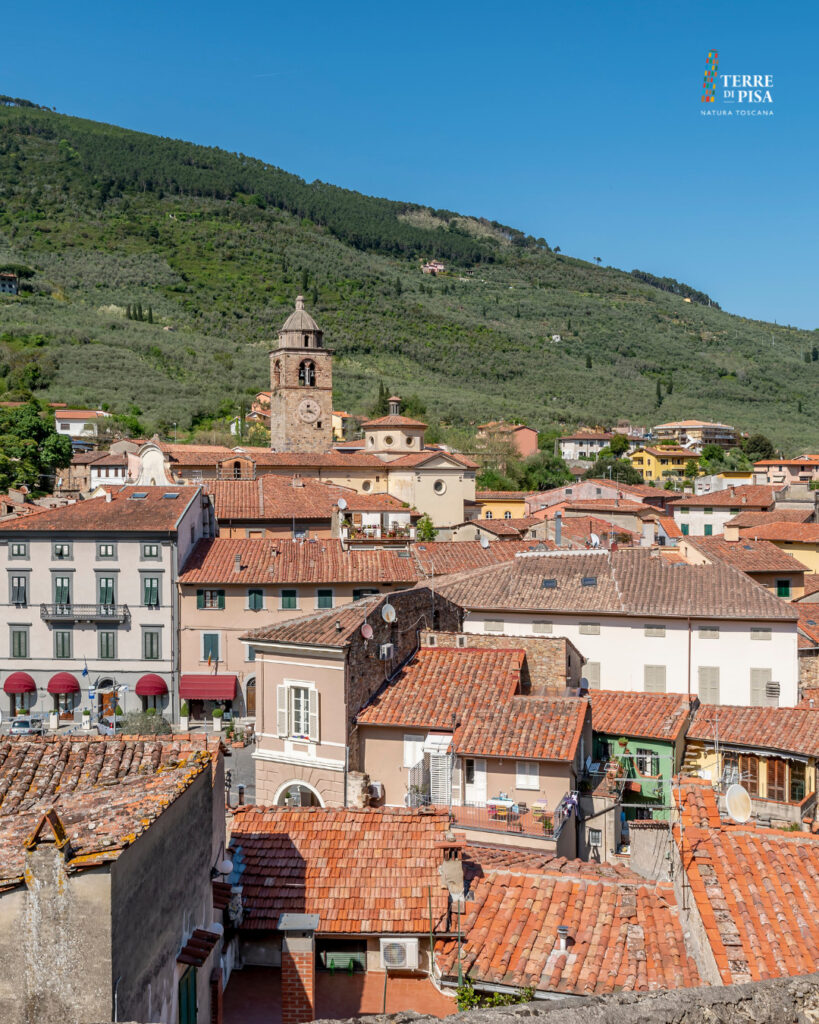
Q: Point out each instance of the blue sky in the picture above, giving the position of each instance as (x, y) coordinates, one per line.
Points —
(577, 121)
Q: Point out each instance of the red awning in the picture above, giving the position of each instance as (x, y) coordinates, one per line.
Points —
(207, 687)
(151, 685)
(63, 682)
(20, 682)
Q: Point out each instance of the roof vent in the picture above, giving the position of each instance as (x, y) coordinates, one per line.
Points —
(549, 583)
(237, 563)
(562, 937)
(589, 581)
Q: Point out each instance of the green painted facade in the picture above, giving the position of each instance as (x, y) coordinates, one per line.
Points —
(652, 790)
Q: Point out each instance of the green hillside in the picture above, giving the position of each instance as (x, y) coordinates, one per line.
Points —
(217, 245)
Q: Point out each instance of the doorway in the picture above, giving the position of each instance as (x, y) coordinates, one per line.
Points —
(250, 697)
(474, 780)
(106, 698)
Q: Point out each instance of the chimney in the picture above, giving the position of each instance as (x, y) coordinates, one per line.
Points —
(730, 533)
(107, 495)
(451, 867)
(558, 528)
(298, 974)
(395, 405)
(562, 937)
(237, 563)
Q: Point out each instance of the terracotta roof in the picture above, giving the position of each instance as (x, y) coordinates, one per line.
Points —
(624, 932)
(501, 495)
(692, 423)
(80, 414)
(792, 730)
(580, 528)
(801, 533)
(279, 497)
(656, 716)
(153, 513)
(418, 458)
(620, 505)
(105, 792)
(666, 451)
(669, 525)
(533, 728)
(86, 458)
(321, 628)
(393, 421)
(212, 455)
(756, 891)
(631, 581)
(111, 459)
(747, 555)
(811, 586)
(504, 428)
(447, 556)
(776, 515)
(761, 496)
(512, 527)
(808, 461)
(362, 871)
(808, 624)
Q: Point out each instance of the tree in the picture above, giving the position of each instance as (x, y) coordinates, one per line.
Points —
(619, 445)
(659, 400)
(712, 453)
(398, 288)
(382, 403)
(31, 450)
(692, 469)
(150, 315)
(588, 362)
(620, 470)
(425, 530)
(758, 446)
(598, 260)
(305, 277)
(541, 472)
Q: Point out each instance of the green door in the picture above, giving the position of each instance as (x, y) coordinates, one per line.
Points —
(187, 997)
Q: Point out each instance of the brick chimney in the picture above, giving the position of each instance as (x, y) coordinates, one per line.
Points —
(298, 967)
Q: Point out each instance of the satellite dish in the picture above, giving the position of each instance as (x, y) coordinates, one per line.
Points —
(388, 613)
(342, 503)
(595, 540)
(484, 542)
(738, 804)
(367, 631)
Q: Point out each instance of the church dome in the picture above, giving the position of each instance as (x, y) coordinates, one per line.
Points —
(300, 319)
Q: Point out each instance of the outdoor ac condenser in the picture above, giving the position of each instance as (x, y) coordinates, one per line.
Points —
(399, 954)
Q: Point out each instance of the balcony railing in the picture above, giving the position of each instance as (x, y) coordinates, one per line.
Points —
(365, 533)
(521, 819)
(84, 612)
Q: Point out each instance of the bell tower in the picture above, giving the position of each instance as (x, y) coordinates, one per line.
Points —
(301, 387)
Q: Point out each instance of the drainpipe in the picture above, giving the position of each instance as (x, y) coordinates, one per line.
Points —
(175, 598)
(116, 1007)
(688, 620)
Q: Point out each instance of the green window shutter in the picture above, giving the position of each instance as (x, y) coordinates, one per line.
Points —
(255, 600)
(684, 529)
(200, 598)
(221, 598)
(709, 530)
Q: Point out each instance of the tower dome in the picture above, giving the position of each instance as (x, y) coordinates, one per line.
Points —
(300, 330)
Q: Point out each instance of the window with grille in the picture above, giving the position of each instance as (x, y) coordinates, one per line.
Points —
(62, 643)
(106, 590)
(590, 628)
(150, 644)
(150, 591)
(107, 644)
(289, 599)
(595, 837)
(19, 590)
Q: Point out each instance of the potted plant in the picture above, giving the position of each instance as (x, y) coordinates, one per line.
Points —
(623, 741)
(217, 719)
(184, 712)
(86, 719)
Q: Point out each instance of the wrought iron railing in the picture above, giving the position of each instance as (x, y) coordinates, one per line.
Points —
(84, 612)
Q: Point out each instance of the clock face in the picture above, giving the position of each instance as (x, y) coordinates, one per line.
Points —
(309, 410)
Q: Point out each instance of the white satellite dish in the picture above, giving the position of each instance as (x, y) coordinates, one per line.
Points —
(595, 540)
(342, 503)
(388, 613)
(367, 631)
(484, 542)
(738, 804)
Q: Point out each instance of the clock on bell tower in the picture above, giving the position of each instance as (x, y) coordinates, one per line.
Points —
(301, 387)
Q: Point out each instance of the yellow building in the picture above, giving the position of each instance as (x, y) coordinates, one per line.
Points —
(798, 539)
(660, 463)
(501, 504)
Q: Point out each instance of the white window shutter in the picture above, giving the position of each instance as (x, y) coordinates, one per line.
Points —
(708, 688)
(456, 783)
(314, 716)
(281, 711)
(759, 677)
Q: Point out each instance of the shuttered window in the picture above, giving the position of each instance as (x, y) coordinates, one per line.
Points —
(709, 632)
(527, 775)
(19, 643)
(543, 627)
(654, 630)
(255, 599)
(289, 600)
(654, 678)
(492, 626)
(413, 749)
(324, 599)
(590, 628)
(297, 712)
(777, 779)
(760, 677)
(62, 643)
(150, 591)
(210, 599)
(708, 684)
(106, 590)
(62, 590)
(19, 588)
(760, 632)
(591, 671)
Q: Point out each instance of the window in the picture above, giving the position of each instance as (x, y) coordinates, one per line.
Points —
(62, 643)
(488, 514)
(527, 775)
(210, 599)
(783, 588)
(106, 551)
(62, 590)
(591, 673)
(760, 632)
(469, 771)
(439, 487)
(255, 599)
(18, 549)
(362, 592)
(413, 749)
(19, 642)
(299, 710)
(595, 837)
(543, 627)
(590, 628)
(684, 510)
(289, 600)
(150, 551)
(507, 515)
(105, 590)
(325, 599)
(60, 550)
(389, 440)
(742, 769)
(647, 762)
(708, 684)
(150, 591)
(151, 644)
(19, 590)
(760, 678)
(708, 511)
(307, 374)
(708, 530)
(250, 652)
(654, 631)
(107, 643)
(797, 787)
(210, 647)
(708, 632)
(654, 678)
(492, 626)
(684, 529)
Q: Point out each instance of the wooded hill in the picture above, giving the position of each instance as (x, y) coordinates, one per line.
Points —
(214, 246)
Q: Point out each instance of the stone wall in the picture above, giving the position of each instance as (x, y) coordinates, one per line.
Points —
(764, 1002)
(808, 669)
(552, 662)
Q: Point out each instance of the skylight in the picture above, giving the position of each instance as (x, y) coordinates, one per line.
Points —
(171, 494)
(589, 581)
(549, 583)
(139, 494)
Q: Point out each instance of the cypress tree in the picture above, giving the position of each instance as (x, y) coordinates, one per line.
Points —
(139, 312)
(588, 362)
(150, 315)
(128, 311)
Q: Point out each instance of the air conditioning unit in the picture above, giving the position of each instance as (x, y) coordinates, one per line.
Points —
(386, 652)
(399, 954)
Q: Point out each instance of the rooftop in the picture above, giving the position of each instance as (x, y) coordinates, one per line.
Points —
(131, 508)
(631, 581)
(799, 533)
(747, 555)
(394, 420)
(501, 495)
(362, 871)
(776, 515)
(299, 319)
(692, 423)
(79, 414)
(213, 455)
(789, 730)
(650, 716)
(742, 496)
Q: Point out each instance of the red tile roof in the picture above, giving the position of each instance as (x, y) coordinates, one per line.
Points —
(278, 497)
(80, 414)
(363, 872)
(153, 513)
(809, 624)
(418, 458)
(760, 496)
(512, 527)
(798, 533)
(580, 528)
(776, 515)
(332, 627)
(631, 581)
(791, 730)
(448, 556)
(501, 495)
(212, 455)
(621, 505)
(747, 555)
(393, 420)
(655, 716)
(811, 586)
(756, 890)
(624, 932)
(532, 728)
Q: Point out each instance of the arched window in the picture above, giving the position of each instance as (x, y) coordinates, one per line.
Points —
(307, 374)
(277, 374)
(507, 514)
(487, 514)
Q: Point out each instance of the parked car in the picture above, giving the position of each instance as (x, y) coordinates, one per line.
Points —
(27, 726)
(109, 726)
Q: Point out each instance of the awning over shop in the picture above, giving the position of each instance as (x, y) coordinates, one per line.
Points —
(207, 687)
(20, 682)
(151, 685)
(63, 682)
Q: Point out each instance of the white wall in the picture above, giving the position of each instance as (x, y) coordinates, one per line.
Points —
(697, 518)
(622, 650)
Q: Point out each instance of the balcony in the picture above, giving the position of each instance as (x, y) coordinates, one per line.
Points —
(519, 819)
(84, 613)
